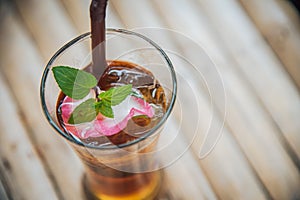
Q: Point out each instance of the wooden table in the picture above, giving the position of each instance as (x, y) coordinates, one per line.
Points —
(255, 47)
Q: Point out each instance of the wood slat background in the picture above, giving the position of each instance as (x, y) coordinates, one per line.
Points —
(254, 46)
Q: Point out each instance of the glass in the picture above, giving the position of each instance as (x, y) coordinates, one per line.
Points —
(129, 170)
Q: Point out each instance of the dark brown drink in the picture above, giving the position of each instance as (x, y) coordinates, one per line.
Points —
(109, 175)
(118, 160)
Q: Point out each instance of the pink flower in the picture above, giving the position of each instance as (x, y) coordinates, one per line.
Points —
(103, 126)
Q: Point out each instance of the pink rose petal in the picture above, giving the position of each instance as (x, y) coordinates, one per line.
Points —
(103, 125)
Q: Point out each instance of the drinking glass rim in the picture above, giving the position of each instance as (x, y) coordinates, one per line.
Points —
(78, 39)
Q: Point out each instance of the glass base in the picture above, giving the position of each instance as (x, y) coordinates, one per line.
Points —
(146, 191)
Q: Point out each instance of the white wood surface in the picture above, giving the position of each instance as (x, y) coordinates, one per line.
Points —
(259, 65)
(256, 53)
(280, 27)
(17, 150)
(58, 157)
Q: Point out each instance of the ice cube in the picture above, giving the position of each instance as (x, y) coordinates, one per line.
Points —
(103, 126)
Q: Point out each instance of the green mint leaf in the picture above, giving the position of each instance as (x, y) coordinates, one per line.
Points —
(85, 112)
(105, 109)
(116, 95)
(73, 82)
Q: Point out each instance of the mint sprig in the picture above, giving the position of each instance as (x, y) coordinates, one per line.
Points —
(115, 96)
(73, 82)
(85, 112)
(77, 84)
(105, 109)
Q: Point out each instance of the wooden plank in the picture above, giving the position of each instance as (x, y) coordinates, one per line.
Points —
(48, 23)
(260, 67)
(183, 167)
(23, 75)
(184, 180)
(78, 10)
(290, 11)
(17, 150)
(5, 193)
(280, 30)
(130, 19)
(81, 15)
(233, 25)
(226, 160)
(144, 25)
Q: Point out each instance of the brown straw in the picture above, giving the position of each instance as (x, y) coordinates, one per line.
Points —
(97, 15)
